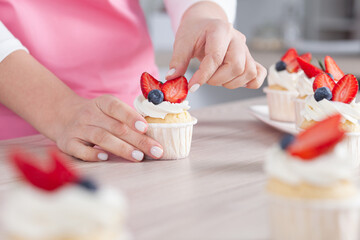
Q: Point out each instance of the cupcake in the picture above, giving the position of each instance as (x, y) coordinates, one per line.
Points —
(310, 186)
(164, 107)
(282, 80)
(57, 204)
(336, 97)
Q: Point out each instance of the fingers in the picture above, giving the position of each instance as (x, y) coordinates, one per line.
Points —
(83, 151)
(216, 45)
(234, 63)
(140, 141)
(112, 144)
(182, 54)
(258, 81)
(122, 112)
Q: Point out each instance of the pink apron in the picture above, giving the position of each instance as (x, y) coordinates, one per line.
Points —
(94, 46)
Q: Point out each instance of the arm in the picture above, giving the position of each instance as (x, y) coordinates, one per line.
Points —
(205, 33)
(74, 123)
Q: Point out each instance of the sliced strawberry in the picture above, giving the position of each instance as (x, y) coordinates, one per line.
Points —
(345, 89)
(323, 80)
(333, 68)
(318, 139)
(176, 90)
(289, 56)
(48, 180)
(148, 83)
(309, 69)
(294, 66)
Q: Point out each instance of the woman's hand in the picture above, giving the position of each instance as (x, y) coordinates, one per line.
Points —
(74, 123)
(109, 124)
(206, 34)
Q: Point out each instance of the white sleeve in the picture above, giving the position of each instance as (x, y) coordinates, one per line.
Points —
(176, 9)
(8, 43)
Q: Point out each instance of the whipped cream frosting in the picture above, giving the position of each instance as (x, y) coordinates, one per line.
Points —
(304, 85)
(325, 170)
(318, 111)
(69, 211)
(148, 109)
(283, 78)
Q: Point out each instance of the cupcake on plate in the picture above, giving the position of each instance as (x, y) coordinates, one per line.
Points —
(310, 186)
(282, 80)
(164, 107)
(57, 204)
(306, 87)
(331, 97)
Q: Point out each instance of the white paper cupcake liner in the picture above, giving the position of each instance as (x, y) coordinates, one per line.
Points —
(175, 138)
(293, 219)
(299, 105)
(281, 104)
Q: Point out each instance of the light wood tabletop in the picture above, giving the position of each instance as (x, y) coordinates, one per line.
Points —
(215, 193)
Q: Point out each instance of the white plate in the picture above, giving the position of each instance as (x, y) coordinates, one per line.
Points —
(261, 112)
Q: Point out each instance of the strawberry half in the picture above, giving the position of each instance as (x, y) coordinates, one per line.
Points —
(333, 68)
(309, 69)
(318, 139)
(289, 56)
(176, 90)
(148, 83)
(294, 66)
(323, 80)
(345, 89)
(48, 180)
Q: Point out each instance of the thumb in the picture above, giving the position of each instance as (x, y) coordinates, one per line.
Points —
(182, 54)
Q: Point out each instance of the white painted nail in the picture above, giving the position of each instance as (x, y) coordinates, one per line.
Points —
(103, 156)
(156, 152)
(194, 88)
(140, 125)
(171, 72)
(138, 155)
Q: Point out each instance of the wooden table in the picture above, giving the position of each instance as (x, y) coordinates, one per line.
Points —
(215, 193)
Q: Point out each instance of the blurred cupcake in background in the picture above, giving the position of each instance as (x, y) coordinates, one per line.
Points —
(307, 84)
(282, 80)
(333, 96)
(57, 204)
(310, 186)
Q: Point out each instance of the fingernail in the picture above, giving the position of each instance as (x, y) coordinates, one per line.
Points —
(194, 88)
(103, 156)
(156, 152)
(170, 72)
(137, 155)
(140, 125)
(245, 85)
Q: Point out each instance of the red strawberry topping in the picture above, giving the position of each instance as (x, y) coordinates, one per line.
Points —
(294, 66)
(323, 80)
(346, 89)
(289, 56)
(318, 139)
(333, 68)
(48, 180)
(176, 90)
(309, 69)
(148, 83)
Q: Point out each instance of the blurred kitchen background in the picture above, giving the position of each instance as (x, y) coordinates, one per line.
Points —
(323, 27)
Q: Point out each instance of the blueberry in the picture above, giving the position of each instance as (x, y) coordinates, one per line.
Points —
(280, 66)
(286, 141)
(323, 93)
(156, 96)
(330, 75)
(87, 184)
